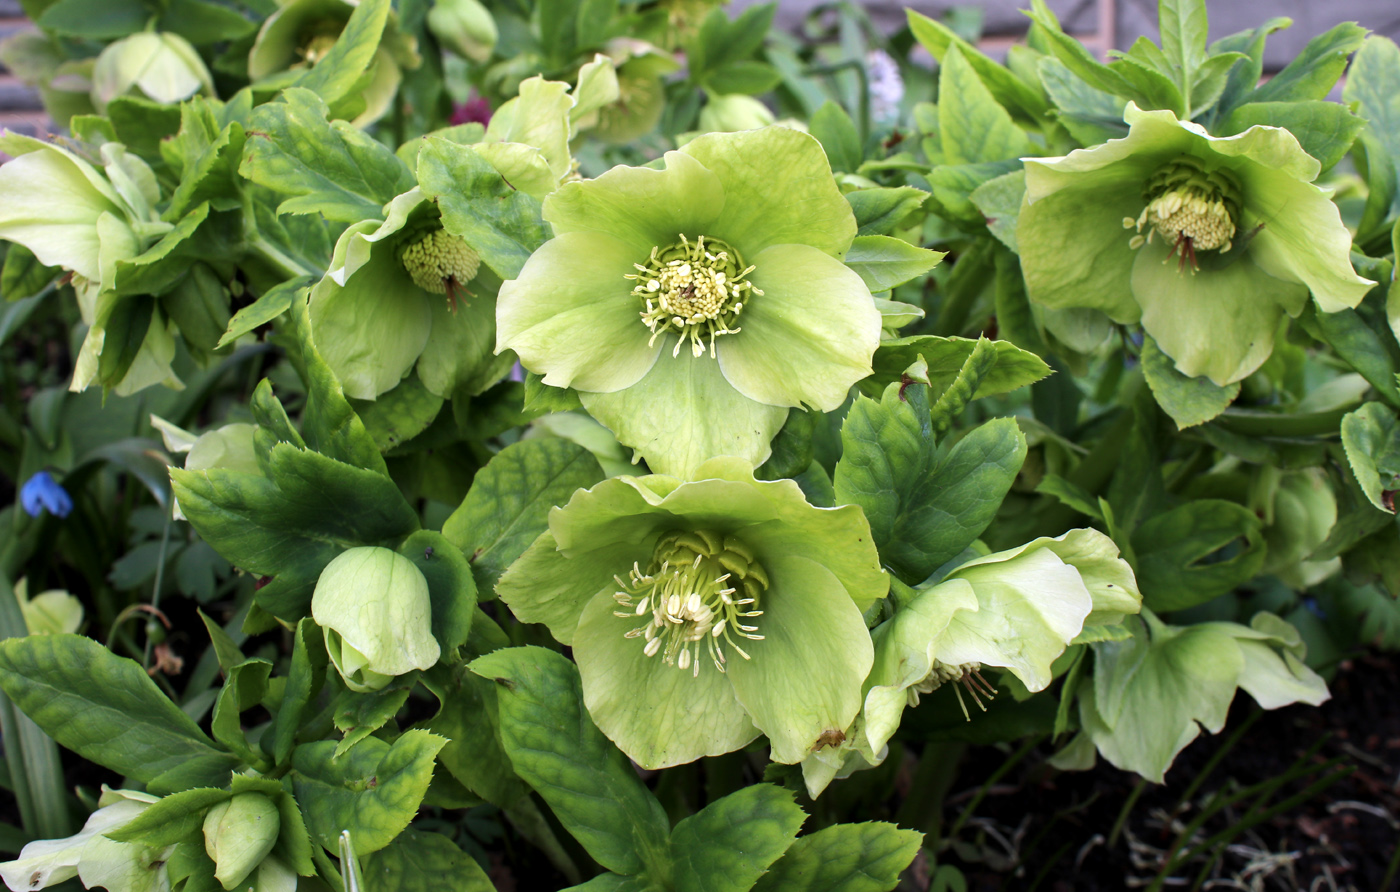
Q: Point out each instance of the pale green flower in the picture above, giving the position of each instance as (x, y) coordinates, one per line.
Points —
(90, 856)
(727, 114)
(702, 614)
(692, 306)
(163, 67)
(1017, 610)
(1207, 241)
(52, 612)
(302, 32)
(373, 606)
(239, 834)
(465, 26)
(1152, 694)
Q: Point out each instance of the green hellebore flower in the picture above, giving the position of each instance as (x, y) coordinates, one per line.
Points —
(397, 296)
(702, 614)
(302, 32)
(465, 26)
(373, 605)
(727, 114)
(1015, 609)
(90, 856)
(692, 306)
(52, 612)
(1224, 235)
(160, 66)
(1301, 516)
(1153, 693)
(238, 834)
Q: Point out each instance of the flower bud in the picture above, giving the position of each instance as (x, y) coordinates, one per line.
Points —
(159, 66)
(374, 608)
(464, 26)
(238, 834)
(728, 114)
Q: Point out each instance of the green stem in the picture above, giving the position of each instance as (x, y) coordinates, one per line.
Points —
(160, 578)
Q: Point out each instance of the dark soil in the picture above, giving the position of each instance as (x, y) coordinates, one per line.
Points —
(1038, 828)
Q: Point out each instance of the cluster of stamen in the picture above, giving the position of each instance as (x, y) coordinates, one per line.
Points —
(441, 263)
(965, 676)
(318, 40)
(694, 290)
(700, 588)
(1192, 208)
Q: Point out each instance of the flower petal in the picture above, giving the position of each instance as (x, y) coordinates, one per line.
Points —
(571, 316)
(805, 676)
(645, 208)
(657, 714)
(684, 412)
(460, 348)
(1218, 323)
(51, 207)
(1074, 249)
(1303, 239)
(808, 337)
(778, 190)
(372, 330)
(545, 586)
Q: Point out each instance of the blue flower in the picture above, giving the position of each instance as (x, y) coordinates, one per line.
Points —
(42, 493)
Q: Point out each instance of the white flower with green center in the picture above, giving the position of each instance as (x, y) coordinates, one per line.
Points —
(1016, 609)
(1225, 236)
(704, 613)
(406, 294)
(692, 306)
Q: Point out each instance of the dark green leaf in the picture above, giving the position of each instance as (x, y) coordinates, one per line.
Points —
(304, 681)
(425, 862)
(844, 858)
(104, 21)
(340, 70)
(1326, 130)
(1371, 438)
(748, 78)
(265, 309)
(1014, 368)
(23, 275)
(106, 709)
(730, 843)
(1314, 72)
(878, 211)
(450, 585)
(974, 128)
(469, 719)
(1189, 401)
(170, 820)
(1013, 95)
(882, 261)
(556, 748)
(358, 716)
(395, 417)
(1196, 552)
(834, 130)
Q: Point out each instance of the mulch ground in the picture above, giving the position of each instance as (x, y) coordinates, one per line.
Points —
(1041, 829)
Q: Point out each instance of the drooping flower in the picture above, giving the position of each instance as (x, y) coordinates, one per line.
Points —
(704, 613)
(1224, 235)
(90, 856)
(163, 67)
(692, 306)
(1017, 610)
(42, 493)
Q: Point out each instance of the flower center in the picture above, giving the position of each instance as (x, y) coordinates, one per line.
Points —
(693, 289)
(700, 587)
(965, 675)
(1194, 209)
(441, 263)
(317, 40)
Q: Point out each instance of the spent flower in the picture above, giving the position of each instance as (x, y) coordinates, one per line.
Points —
(704, 613)
(1224, 236)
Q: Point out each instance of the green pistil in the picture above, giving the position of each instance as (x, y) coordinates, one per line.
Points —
(965, 676)
(694, 290)
(441, 263)
(1193, 208)
(700, 587)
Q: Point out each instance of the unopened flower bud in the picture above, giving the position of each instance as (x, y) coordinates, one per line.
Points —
(238, 834)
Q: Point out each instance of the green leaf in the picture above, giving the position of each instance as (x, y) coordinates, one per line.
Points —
(395, 417)
(172, 819)
(1196, 552)
(1183, 26)
(1314, 72)
(844, 858)
(425, 862)
(748, 78)
(834, 129)
(1071, 494)
(211, 154)
(23, 275)
(972, 125)
(260, 312)
(500, 222)
(202, 22)
(923, 509)
(245, 687)
(104, 21)
(507, 507)
(224, 647)
(1326, 130)
(878, 211)
(1371, 438)
(373, 790)
(159, 267)
(1023, 101)
(1189, 401)
(336, 74)
(470, 720)
(1090, 115)
(358, 716)
(1371, 86)
(1367, 350)
(1015, 368)
(999, 199)
(304, 681)
(141, 124)
(106, 709)
(556, 748)
(327, 167)
(329, 424)
(883, 262)
(729, 844)
(953, 185)
(450, 585)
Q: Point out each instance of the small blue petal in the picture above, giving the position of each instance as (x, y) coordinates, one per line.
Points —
(42, 493)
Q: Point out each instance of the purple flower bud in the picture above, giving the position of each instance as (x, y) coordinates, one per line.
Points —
(42, 493)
